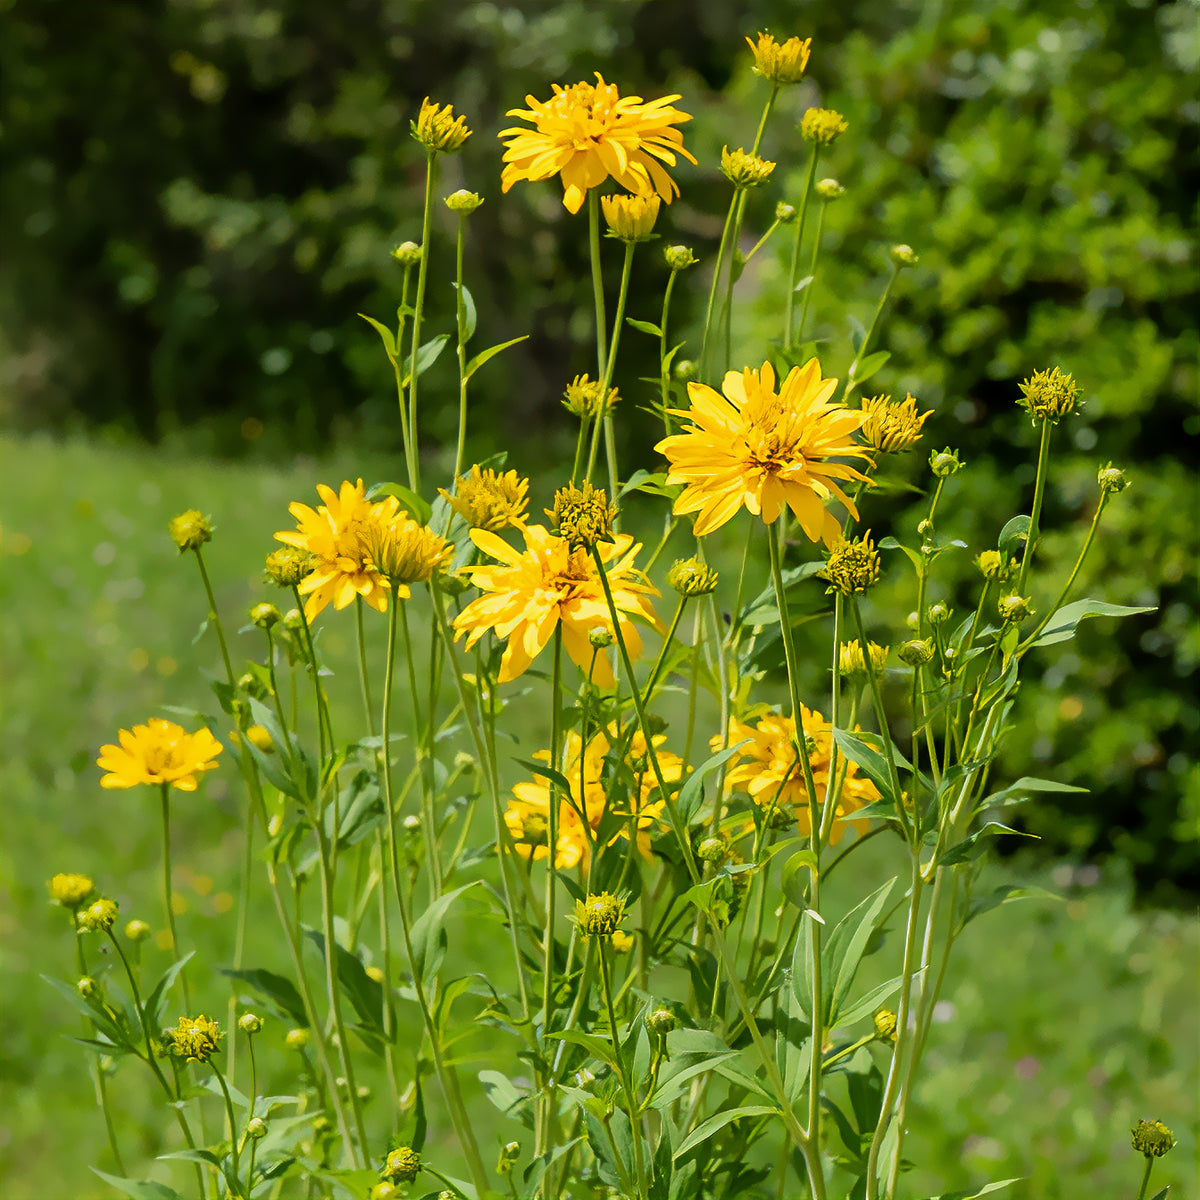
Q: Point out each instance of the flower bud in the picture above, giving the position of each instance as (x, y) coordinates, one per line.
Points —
(260, 738)
(1152, 1138)
(87, 987)
(1013, 608)
(599, 638)
(296, 1039)
(711, 849)
(190, 530)
(630, 219)
(944, 463)
(97, 916)
(600, 914)
(904, 255)
(265, 616)
(463, 202)
(990, 564)
(293, 620)
(402, 1165)
(745, 170)
(785, 214)
(684, 370)
(137, 931)
(256, 1128)
(885, 1025)
(582, 517)
(938, 614)
(830, 189)
(822, 125)
(287, 566)
(1111, 479)
(437, 129)
(780, 62)
(408, 254)
(70, 890)
(852, 565)
(509, 1153)
(691, 577)
(1049, 395)
(250, 1023)
(916, 653)
(679, 257)
(660, 1021)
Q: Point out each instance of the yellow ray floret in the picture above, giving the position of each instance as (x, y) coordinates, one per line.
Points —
(588, 133)
(531, 592)
(754, 449)
(158, 752)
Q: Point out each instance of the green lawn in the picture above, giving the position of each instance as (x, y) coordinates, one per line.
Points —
(1062, 1022)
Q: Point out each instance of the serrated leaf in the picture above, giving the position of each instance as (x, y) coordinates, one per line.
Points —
(490, 353)
(386, 335)
(1063, 623)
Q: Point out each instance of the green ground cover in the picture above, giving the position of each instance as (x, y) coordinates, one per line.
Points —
(1061, 1024)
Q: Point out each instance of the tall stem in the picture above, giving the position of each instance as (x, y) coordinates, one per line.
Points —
(711, 309)
(168, 890)
(851, 381)
(463, 334)
(364, 677)
(414, 466)
(1039, 491)
(424, 761)
(812, 269)
(797, 239)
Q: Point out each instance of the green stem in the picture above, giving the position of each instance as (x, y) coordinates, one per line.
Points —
(1039, 491)
(635, 1133)
(664, 382)
(363, 674)
(324, 726)
(461, 326)
(597, 281)
(710, 310)
(406, 439)
(214, 618)
(605, 419)
(168, 891)
(812, 269)
(424, 761)
(414, 466)
(1146, 1178)
(235, 1185)
(851, 382)
(797, 238)
(652, 682)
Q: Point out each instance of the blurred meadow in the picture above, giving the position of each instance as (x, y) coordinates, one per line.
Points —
(199, 198)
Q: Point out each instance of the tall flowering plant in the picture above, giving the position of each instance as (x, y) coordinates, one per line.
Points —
(672, 998)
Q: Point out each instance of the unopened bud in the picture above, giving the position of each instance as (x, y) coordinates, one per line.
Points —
(944, 463)
(599, 637)
(463, 202)
(938, 614)
(265, 616)
(250, 1023)
(137, 931)
(408, 254)
(785, 214)
(916, 653)
(904, 256)
(256, 1128)
(679, 257)
(1111, 479)
(1014, 608)
(830, 189)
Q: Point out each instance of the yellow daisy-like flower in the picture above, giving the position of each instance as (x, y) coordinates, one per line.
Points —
(630, 218)
(893, 426)
(768, 769)
(70, 890)
(588, 133)
(780, 62)
(403, 551)
(528, 817)
(530, 592)
(195, 1038)
(158, 752)
(335, 534)
(757, 450)
(488, 500)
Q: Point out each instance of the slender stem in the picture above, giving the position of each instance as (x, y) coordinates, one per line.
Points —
(797, 239)
(604, 418)
(424, 761)
(1039, 490)
(851, 382)
(812, 269)
(597, 281)
(363, 674)
(235, 1185)
(711, 308)
(1146, 1178)
(461, 326)
(406, 439)
(664, 382)
(214, 617)
(652, 682)
(635, 1133)
(414, 467)
(324, 730)
(168, 891)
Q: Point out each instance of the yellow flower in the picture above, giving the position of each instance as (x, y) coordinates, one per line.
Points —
(891, 427)
(744, 170)
(822, 125)
(589, 132)
(600, 914)
(97, 916)
(402, 1165)
(582, 516)
(530, 592)
(757, 450)
(691, 577)
(528, 817)
(582, 398)
(437, 129)
(851, 661)
(402, 551)
(70, 890)
(780, 63)
(194, 1038)
(852, 565)
(488, 500)
(768, 769)
(630, 218)
(190, 530)
(158, 752)
(334, 534)
(1049, 395)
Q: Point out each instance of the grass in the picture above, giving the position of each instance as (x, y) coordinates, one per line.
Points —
(1062, 1022)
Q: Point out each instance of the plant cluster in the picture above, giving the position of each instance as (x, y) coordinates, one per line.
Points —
(680, 1008)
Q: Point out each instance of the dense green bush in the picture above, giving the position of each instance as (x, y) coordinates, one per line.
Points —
(201, 195)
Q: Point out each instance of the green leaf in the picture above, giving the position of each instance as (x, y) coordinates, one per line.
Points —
(971, 847)
(645, 327)
(138, 1189)
(803, 283)
(652, 482)
(987, 1189)
(1023, 789)
(869, 1002)
(388, 337)
(794, 888)
(861, 372)
(691, 795)
(504, 1094)
(201, 1156)
(1063, 623)
(491, 352)
(890, 543)
(1005, 894)
(844, 949)
(596, 1046)
(275, 989)
(469, 313)
(414, 505)
(872, 762)
(362, 991)
(427, 355)
(155, 997)
(428, 933)
(706, 1129)
(1013, 535)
